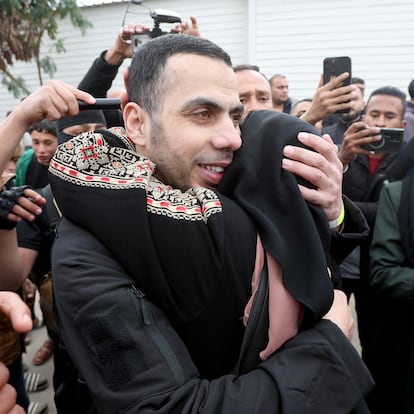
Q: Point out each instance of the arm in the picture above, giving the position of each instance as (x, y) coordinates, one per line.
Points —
(23, 207)
(53, 100)
(98, 312)
(390, 276)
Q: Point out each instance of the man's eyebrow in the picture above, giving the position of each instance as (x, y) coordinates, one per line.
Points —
(194, 103)
(210, 103)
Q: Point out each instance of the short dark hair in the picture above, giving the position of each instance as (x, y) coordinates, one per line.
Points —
(391, 91)
(411, 89)
(278, 75)
(246, 66)
(359, 81)
(46, 126)
(146, 84)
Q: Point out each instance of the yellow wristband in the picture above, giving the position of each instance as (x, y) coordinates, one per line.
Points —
(335, 223)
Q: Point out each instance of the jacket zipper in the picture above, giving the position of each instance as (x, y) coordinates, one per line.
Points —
(158, 337)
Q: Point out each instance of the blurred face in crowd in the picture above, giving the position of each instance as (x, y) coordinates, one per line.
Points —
(358, 104)
(384, 111)
(300, 108)
(280, 90)
(254, 91)
(44, 145)
(193, 132)
(75, 130)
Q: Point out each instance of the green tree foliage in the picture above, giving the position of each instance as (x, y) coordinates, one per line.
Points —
(23, 25)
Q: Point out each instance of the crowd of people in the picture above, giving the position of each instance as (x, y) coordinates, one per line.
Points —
(195, 250)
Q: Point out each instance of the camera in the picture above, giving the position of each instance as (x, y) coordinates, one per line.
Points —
(159, 16)
(391, 141)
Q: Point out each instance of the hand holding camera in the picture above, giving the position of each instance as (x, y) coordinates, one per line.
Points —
(359, 138)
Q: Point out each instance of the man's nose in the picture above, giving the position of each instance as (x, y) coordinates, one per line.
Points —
(228, 137)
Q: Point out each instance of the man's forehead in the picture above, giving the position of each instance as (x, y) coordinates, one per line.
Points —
(245, 77)
(387, 102)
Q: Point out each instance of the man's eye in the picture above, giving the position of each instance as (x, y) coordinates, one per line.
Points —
(236, 119)
(243, 100)
(202, 114)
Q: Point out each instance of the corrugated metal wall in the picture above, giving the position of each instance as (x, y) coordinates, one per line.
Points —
(281, 36)
(293, 37)
(222, 21)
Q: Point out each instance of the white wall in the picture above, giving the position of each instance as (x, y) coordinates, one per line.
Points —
(222, 22)
(293, 37)
(281, 36)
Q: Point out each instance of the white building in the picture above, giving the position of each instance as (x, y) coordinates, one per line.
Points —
(290, 37)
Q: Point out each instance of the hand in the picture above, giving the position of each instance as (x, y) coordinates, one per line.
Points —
(355, 136)
(53, 100)
(122, 48)
(18, 312)
(321, 167)
(17, 205)
(341, 314)
(186, 28)
(330, 98)
(7, 394)
(13, 307)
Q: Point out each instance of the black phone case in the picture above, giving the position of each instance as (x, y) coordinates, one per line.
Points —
(335, 66)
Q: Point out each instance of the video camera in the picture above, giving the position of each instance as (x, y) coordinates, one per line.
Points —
(159, 16)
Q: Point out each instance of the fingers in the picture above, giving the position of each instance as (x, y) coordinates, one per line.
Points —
(321, 168)
(12, 306)
(341, 314)
(7, 394)
(355, 138)
(27, 207)
(54, 100)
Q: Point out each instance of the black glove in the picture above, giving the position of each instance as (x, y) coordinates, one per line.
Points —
(8, 199)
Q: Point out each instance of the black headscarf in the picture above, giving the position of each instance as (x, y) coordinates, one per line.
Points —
(90, 116)
(294, 232)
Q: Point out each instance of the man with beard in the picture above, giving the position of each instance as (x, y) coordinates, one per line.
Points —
(160, 212)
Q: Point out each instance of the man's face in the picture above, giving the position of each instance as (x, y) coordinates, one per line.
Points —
(384, 111)
(192, 137)
(44, 146)
(254, 91)
(280, 90)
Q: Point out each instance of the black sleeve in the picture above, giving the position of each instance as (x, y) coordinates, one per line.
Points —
(355, 231)
(133, 361)
(97, 81)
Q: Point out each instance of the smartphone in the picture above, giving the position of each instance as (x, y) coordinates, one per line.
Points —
(391, 141)
(335, 66)
(101, 103)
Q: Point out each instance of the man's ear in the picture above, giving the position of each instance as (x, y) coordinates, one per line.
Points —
(136, 122)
